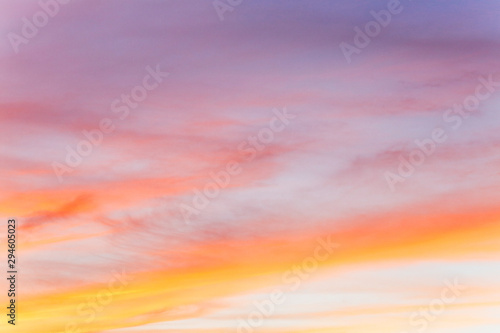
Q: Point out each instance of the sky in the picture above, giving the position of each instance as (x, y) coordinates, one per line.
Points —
(251, 166)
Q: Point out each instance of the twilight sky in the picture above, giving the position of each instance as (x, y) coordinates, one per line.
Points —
(174, 165)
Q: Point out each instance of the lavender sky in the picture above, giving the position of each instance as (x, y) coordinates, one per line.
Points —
(215, 154)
